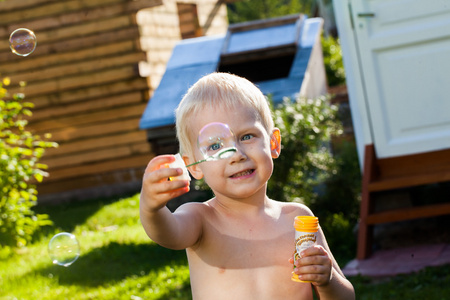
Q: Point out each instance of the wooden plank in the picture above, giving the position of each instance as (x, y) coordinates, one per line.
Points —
(365, 231)
(89, 144)
(99, 180)
(90, 93)
(82, 66)
(78, 30)
(59, 52)
(408, 181)
(78, 81)
(51, 8)
(30, 64)
(66, 19)
(408, 165)
(126, 99)
(411, 170)
(99, 116)
(409, 213)
(96, 130)
(134, 161)
(98, 155)
(12, 5)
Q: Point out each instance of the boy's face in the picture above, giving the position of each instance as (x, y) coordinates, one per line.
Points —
(248, 170)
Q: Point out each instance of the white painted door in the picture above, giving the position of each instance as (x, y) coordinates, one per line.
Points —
(404, 48)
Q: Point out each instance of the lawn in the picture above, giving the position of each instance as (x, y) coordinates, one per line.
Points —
(118, 261)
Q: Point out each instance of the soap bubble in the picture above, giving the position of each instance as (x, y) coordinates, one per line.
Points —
(64, 249)
(22, 41)
(216, 141)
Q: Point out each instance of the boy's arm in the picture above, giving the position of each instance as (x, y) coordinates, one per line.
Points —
(337, 287)
(178, 230)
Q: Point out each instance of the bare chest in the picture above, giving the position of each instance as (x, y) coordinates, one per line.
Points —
(248, 247)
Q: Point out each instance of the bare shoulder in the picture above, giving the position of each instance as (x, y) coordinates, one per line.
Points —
(292, 208)
(193, 208)
(191, 218)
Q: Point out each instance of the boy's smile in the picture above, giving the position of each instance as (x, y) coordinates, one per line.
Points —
(243, 174)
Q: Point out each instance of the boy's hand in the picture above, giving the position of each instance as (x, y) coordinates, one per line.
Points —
(314, 265)
(157, 189)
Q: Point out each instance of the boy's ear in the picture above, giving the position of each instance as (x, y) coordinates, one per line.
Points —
(195, 171)
(275, 143)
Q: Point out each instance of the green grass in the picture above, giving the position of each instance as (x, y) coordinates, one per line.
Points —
(430, 283)
(118, 261)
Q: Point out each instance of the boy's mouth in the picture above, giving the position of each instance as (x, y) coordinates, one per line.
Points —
(243, 173)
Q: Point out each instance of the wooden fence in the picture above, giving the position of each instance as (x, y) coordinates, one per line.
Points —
(85, 83)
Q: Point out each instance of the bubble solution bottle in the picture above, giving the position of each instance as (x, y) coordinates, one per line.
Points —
(306, 228)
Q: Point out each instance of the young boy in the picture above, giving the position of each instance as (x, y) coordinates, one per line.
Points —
(240, 243)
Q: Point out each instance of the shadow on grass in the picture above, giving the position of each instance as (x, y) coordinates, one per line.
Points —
(115, 262)
(67, 216)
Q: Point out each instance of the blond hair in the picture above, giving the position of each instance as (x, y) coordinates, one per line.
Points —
(219, 91)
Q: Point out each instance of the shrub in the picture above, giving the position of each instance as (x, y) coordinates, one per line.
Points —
(314, 170)
(20, 151)
(306, 128)
(338, 206)
(332, 58)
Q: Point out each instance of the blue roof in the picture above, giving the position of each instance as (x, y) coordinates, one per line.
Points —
(262, 38)
(193, 58)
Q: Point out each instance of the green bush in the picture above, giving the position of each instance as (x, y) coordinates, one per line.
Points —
(20, 151)
(332, 58)
(306, 128)
(314, 170)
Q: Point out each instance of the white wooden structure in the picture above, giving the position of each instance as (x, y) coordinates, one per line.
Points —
(396, 57)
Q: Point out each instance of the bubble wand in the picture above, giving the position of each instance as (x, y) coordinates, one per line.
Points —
(225, 153)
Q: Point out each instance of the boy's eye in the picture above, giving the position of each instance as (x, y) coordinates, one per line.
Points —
(214, 147)
(247, 137)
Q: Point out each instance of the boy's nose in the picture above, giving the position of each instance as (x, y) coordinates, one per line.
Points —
(239, 155)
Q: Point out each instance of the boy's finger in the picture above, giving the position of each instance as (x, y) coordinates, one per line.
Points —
(316, 260)
(314, 250)
(161, 175)
(315, 279)
(166, 196)
(158, 162)
(166, 186)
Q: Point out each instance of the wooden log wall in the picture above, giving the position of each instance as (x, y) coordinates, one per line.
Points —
(88, 92)
(163, 26)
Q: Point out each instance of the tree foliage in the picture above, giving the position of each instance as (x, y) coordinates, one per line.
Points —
(332, 58)
(20, 151)
(306, 127)
(317, 170)
(249, 10)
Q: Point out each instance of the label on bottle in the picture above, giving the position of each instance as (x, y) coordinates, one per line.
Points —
(303, 240)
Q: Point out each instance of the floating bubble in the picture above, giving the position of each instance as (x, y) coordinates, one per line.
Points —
(216, 141)
(64, 249)
(22, 41)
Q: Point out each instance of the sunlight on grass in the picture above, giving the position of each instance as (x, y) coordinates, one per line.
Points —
(117, 261)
